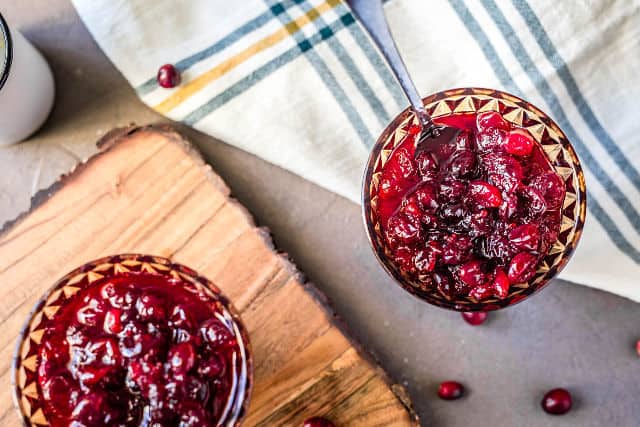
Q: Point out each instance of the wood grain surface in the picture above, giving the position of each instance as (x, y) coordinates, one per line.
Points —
(149, 191)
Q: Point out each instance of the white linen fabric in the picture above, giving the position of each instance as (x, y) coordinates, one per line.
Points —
(298, 83)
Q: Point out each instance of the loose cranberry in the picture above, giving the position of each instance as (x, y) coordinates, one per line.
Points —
(638, 347)
(522, 267)
(450, 390)
(317, 422)
(519, 143)
(491, 120)
(485, 194)
(168, 76)
(557, 401)
(475, 318)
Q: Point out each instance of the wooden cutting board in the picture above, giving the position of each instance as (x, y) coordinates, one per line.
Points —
(149, 191)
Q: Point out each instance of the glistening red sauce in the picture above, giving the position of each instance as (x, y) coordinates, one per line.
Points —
(138, 349)
(473, 216)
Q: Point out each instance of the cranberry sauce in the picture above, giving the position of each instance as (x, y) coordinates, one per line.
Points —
(137, 349)
(473, 216)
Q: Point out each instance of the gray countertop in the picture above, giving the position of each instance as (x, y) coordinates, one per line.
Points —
(568, 336)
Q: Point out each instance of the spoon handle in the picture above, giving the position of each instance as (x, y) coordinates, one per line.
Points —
(371, 15)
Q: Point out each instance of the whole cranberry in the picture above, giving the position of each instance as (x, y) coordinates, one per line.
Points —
(150, 307)
(475, 318)
(463, 164)
(427, 164)
(194, 416)
(522, 267)
(91, 314)
(168, 76)
(485, 194)
(481, 292)
(500, 284)
(402, 229)
(182, 357)
(427, 198)
(557, 401)
(638, 347)
(518, 142)
(215, 333)
(525, 237)
(317, 422)
(112, 323)
(450, 390)
(491, 120)
(552, 188)
(471, 273)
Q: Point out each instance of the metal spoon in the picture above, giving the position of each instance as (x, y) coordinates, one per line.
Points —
(371, 15)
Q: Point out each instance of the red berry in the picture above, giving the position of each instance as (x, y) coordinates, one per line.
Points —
(475, 318)
(557, 401)
(491, 120)
(182, 358)
(215, 333)
(638, 347)
(481, 292)
(471, 273)
(450, 390)
(485, 194)
(522, 267)
(518, 142)
(168, 76)
(552, 188)
(112, 323)
(317, 422)
(427, 197)
(150, 307)
(525, 237)
(427, 164)
(500, 284)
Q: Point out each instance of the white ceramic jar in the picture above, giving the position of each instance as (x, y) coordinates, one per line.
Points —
(26, 86)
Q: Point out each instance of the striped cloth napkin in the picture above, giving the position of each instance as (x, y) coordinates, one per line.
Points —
(298, 83)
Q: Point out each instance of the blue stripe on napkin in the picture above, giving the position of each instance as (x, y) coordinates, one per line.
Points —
(562, 70)
(265, 70)
(555, 105)
(350, 66)
(505, 78)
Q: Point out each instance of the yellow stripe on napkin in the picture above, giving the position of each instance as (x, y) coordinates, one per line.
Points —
(221, 69)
